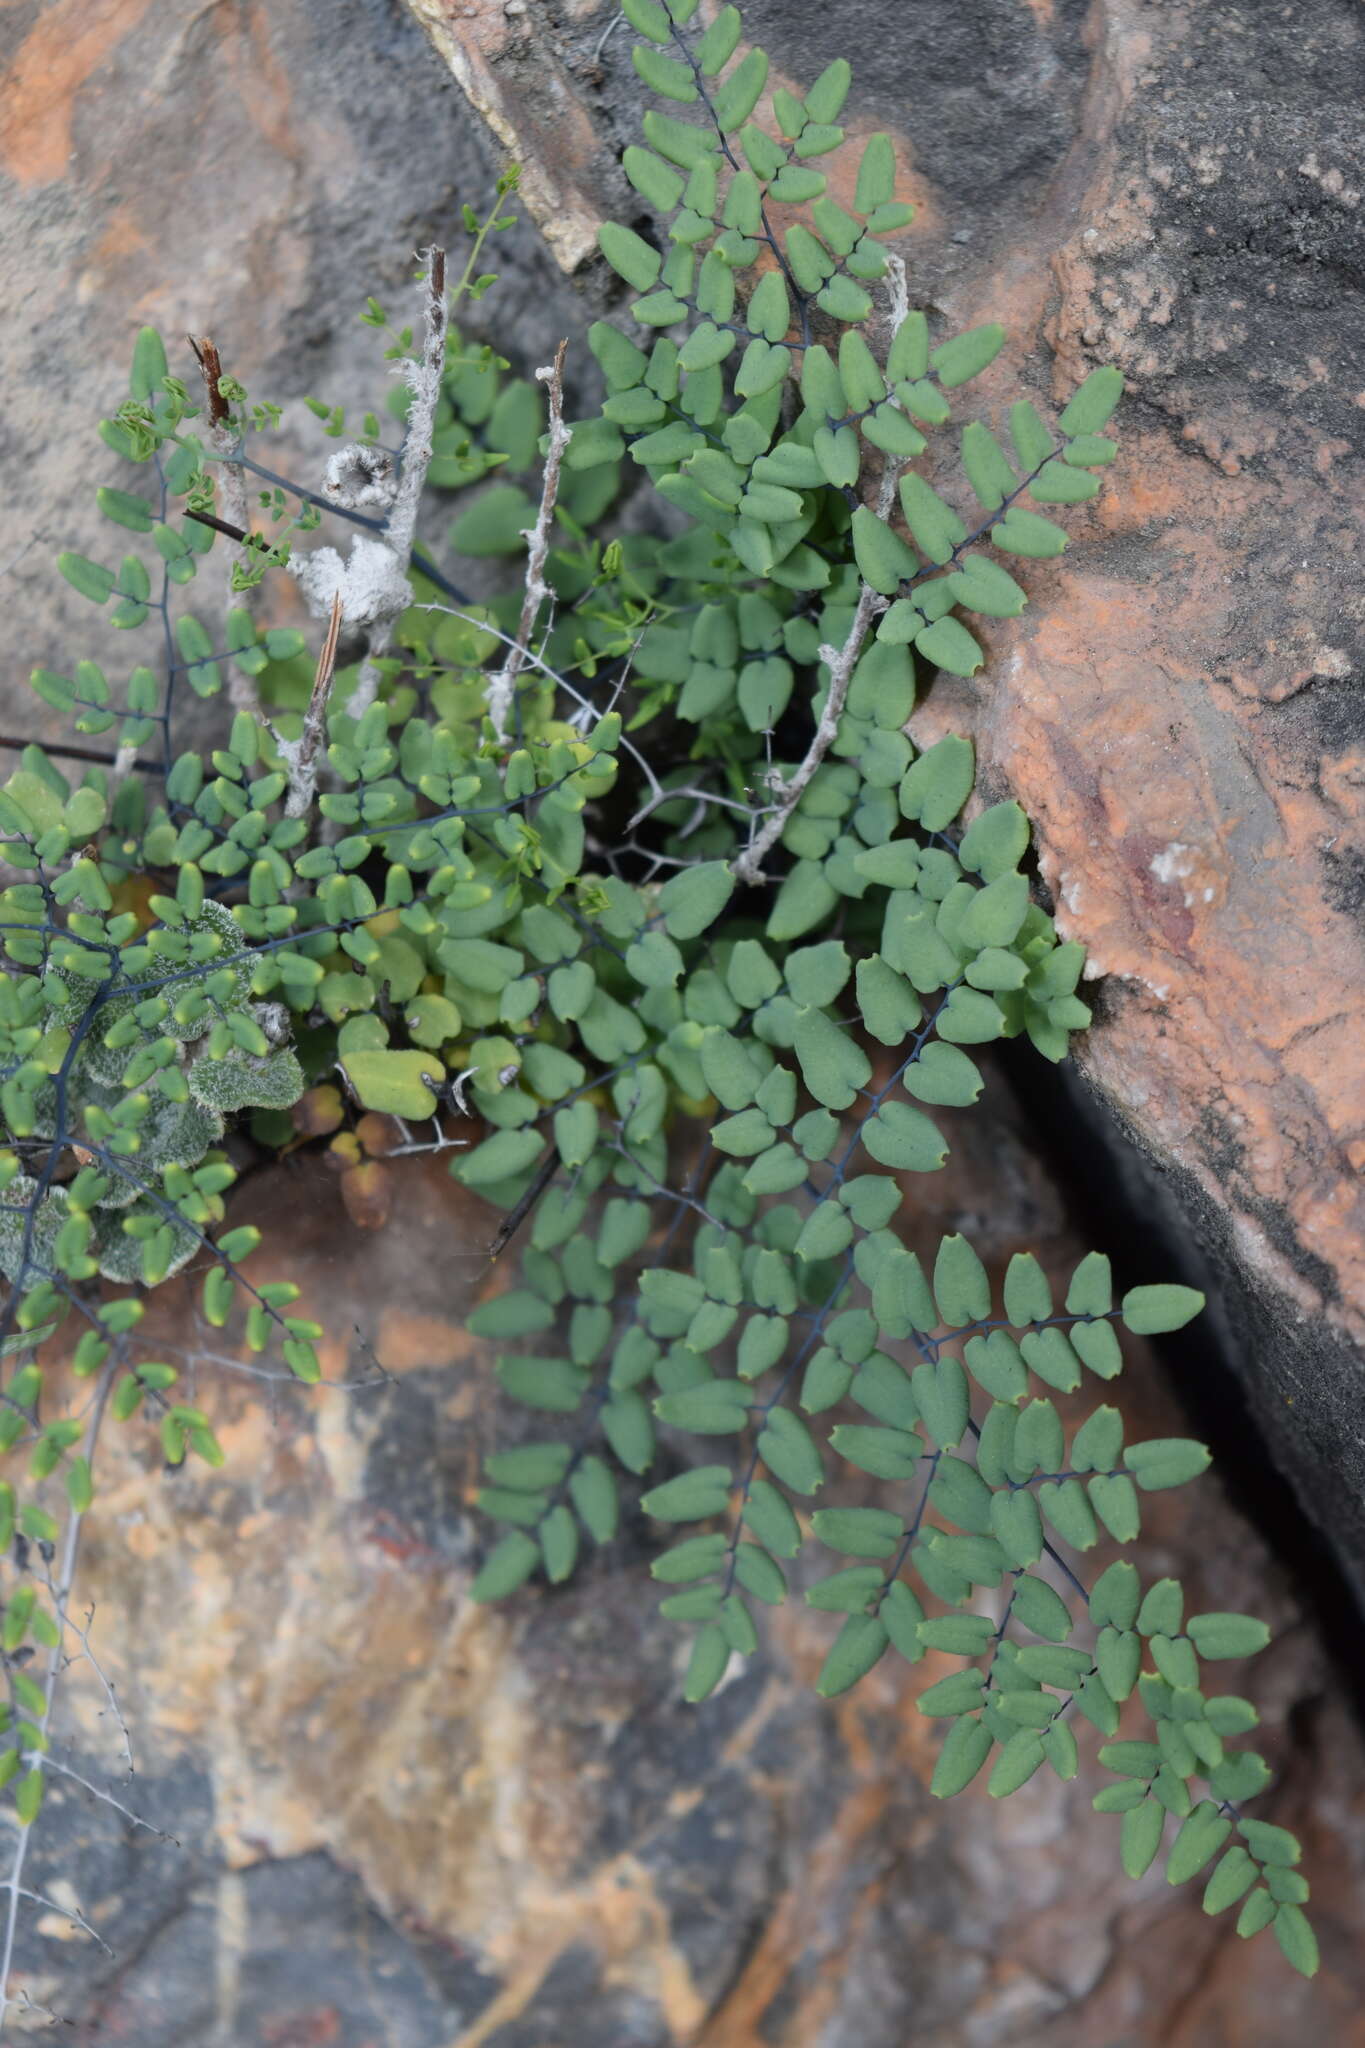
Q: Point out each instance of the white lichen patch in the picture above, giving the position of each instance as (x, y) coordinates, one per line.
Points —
(362, 479)
(1178, 863)
(369, 581)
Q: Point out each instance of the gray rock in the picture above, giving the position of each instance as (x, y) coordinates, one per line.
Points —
(252, 173)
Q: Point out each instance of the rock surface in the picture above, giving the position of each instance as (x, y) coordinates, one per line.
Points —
(1178, 189)
(248, 171)
(408, 1822)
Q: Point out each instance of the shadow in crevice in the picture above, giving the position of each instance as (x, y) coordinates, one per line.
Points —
(1137, 1214)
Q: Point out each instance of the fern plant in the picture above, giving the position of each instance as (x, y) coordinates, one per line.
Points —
(780, 1291)
(696, 1017)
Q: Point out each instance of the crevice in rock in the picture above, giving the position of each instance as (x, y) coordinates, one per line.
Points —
(1136, 1214)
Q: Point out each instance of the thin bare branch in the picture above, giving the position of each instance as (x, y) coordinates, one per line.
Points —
(195, 1356)
(53, 1763)
(56, 1661)
(222, 439)
(77, 1919)
(24, 2003)
(677, 792)
(841, 662)
(301, 755)
(748, 866)
(81, 1631)
(502, 684)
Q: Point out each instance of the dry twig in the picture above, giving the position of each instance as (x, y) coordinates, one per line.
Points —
(13, 1884)
(300, 756)
(222, 440)
(502, 684)
(841, 661)
(748, 866)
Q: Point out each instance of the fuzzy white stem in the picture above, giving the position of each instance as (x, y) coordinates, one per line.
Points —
(423, 375)
(367, 683)
(899, 290)
(502, 684)
(748, 866)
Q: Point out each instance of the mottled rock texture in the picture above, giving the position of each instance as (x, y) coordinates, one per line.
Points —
(407, 1822)
(1179, 189)
(245, 170)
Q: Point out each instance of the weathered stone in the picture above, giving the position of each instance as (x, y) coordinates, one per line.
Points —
(1179, 190)
(412, 1823)
(408, 1820)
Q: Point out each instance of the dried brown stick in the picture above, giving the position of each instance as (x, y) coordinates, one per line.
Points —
(222, 439)
(502, 684)
(300, 755)
(516, 1216)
